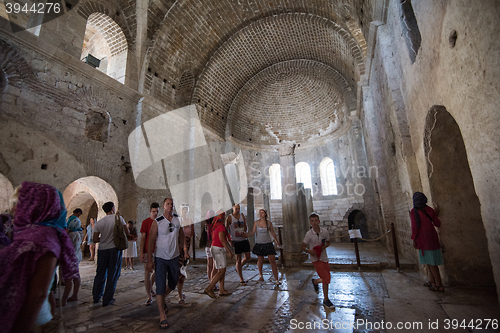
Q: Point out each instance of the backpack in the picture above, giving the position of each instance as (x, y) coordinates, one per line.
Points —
(119, 235)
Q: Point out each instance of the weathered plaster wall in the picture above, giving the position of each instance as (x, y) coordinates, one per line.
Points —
(47, 121)
(463, 78)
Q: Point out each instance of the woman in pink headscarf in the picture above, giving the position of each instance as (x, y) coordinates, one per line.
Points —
(28, 264)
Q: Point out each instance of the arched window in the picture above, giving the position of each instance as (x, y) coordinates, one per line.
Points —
(328, 179)
(275, 181)
(303, 174)
(105, 46)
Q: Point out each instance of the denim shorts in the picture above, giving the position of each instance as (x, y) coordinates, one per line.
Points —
(163, 269)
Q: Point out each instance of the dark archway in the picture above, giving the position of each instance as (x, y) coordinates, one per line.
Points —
(462, 233)
(357, 220)
(206, 204)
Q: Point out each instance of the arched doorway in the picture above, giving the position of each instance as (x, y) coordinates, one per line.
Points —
(357, 220)
(462, 233)
(86, 192)
(206, 204)
(6, 192)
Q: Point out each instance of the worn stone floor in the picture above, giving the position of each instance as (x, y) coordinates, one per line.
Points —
(365, 300)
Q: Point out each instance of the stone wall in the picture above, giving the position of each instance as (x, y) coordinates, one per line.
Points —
(456, 67)
(50, 133)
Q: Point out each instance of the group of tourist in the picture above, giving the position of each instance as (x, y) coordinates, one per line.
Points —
(229, 235)
(40, 238)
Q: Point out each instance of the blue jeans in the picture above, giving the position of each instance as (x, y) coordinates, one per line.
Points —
(109, 265)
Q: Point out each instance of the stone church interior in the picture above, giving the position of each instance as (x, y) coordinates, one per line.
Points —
(344, 108)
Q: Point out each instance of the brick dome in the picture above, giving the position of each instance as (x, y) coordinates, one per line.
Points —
(297, 100)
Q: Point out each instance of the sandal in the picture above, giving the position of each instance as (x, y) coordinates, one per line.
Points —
(243, 283)
(209, 293)
(182, 302)
(436, 288)
(148, 302)
(225, 294)
(429, 284)
(261, 278)
(164, 324)
(153, 294)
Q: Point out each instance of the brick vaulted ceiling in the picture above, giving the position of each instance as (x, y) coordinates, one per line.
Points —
(251, 61)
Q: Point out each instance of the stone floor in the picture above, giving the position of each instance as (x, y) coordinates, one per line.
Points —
(373, 255)
(365, 300)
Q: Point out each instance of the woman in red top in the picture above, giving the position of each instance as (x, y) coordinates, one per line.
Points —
(218, 249)
(425, 238)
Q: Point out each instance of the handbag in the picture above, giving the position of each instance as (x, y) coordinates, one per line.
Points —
(119, 235)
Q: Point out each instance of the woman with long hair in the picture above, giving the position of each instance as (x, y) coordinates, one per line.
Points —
(90, 238)
(424, 219)
(264, 230)
(29, 263)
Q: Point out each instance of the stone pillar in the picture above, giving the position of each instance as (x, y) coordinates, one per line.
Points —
(302, 204)
(267, 203)
(309, 201)
(293, 229)
(250, 213)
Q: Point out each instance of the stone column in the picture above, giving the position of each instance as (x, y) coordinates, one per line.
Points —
(293, 232)
(309, 201)
(267, 203)
(302, 204)
(250, 213)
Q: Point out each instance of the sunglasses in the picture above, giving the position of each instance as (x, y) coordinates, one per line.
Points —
(171, 227)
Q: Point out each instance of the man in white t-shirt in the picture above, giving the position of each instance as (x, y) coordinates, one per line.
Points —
(109, 258)
(315, 243)
(165, 236)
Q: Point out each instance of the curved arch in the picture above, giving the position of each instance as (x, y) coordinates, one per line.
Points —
(302, 87)
(15, 69)
(206, 204)
(275, 181)
(174, 20)
(86, 190)
(462, 232)
(89, 7)
(6, 192)
(105, 39)
(357, 220)
(307, 37)
(328, 177)
(303, 175)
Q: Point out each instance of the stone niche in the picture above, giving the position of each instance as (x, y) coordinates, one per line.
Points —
(97, 126)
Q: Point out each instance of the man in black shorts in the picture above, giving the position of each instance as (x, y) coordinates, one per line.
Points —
(237, 226)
